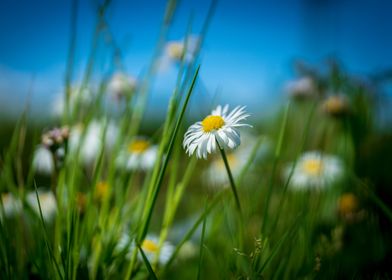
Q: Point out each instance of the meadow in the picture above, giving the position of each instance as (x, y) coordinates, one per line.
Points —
(303, 194)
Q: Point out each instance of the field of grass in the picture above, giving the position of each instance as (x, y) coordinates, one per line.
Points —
(304, 194)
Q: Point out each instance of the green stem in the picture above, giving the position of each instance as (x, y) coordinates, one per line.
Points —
(231, 179)
(159, 181)
(278, 151)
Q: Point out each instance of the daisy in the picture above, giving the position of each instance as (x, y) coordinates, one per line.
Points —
(122, 85)
(10, 206)
(78, 98)
(150, 247)
(221, 126)
(180, 50)
(43, 162)
(47, 201)
(91, 139)
(140, 154)
(315, 170)
(301, 88)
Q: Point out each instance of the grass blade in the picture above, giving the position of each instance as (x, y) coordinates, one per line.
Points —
(147, 263)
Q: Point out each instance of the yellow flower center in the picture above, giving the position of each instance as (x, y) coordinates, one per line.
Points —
(138, 146)
(313, 166)
(335, 105)
(348, 203)
(150, 246)
(175, 50)
(81, 201)
(211, 123)
(101, 191)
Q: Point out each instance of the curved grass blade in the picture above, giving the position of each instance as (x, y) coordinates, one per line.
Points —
(147, 263)
(202, 244)
(159, 181)
(50, 250)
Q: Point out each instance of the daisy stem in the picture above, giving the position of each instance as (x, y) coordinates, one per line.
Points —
(231, 179)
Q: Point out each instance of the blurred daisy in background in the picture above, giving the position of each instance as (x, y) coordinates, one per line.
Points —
(314, 170)
(43, 162)
(140, 154)
(122, 86)
(101, 191)
(301, 88)
(150, 246)
(184, 49)
(91, 140)
(10, 205)
(336, 105)
(47, 201)
(79, 98)
(221, 126)
(179, 51)
(216, 175)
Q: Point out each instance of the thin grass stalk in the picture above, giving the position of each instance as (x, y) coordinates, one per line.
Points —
(147, 263)
(274, 166)
(71, 58)
(201, 251)
(159, 181)
(280, 243)
(175, 200)
(300, 150)
(195, 226)
(46, 238)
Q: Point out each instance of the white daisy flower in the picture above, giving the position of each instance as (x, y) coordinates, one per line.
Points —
(220, 126)
(301, 88)
(78, 97)
(180, 50)
(47, 201)
(140, 154)
(10, 206)
(122, 85)
(315, 170)
(150, 247)
(43, 162)
(91, 143)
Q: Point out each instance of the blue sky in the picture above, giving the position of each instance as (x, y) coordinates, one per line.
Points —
(248, 52)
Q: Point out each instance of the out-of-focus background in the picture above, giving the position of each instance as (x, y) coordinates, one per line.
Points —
(248, 54)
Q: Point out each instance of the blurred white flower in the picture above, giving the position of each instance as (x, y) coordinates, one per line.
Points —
(220, 126)
(121, 85)
(216, 174)
(182, 50)
(43, 162)
(91, 141)
(301, 88)
(315, 170)
(11, 205)
(78, 97)
(140, 154)
(150, 247)
(47, 201)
